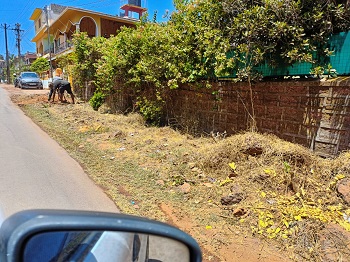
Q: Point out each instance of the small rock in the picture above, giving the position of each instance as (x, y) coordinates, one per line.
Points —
(254, 150)
(238, 212)
(236, 189)
(116, 133)
(333, 239)
(160, 182)
(185, 188)
(343, 188)
(263, 176)
(201, 175)
(232, 175)
(148, 141)
(232, 199)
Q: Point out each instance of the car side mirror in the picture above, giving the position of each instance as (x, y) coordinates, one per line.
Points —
(51, 235)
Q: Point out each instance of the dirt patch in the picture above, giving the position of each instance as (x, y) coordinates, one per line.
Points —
(248, 197)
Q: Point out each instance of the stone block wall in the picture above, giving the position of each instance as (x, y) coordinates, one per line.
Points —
(313, 113)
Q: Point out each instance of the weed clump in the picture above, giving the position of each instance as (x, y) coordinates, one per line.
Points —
(290, 193)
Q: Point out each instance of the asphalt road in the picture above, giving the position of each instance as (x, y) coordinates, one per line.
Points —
(35, 172)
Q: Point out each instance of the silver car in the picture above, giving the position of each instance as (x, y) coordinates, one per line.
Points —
(29, 80)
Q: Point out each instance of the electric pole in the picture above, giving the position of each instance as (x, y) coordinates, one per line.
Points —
(46, 8)
(5, 27)
(18, 39)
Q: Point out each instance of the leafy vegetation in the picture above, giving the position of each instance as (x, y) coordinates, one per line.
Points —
(97, 100)
(40, 65)
(204, 40)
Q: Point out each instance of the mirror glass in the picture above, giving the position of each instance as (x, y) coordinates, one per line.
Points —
(92, 246)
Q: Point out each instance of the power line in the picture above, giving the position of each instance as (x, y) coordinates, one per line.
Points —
(25, 9)
(18, 44)
(92, 3)
(48, 38)
(5, 27)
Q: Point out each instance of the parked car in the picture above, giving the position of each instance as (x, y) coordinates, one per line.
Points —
(29, 80)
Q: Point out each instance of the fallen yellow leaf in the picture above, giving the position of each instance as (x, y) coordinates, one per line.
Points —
(226, 181)
(297, 218)
(233, 165)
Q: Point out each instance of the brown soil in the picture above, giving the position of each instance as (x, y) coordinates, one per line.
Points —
(191, 176)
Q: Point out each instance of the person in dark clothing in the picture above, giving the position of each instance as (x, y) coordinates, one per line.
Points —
(62, 85)
(52, 90)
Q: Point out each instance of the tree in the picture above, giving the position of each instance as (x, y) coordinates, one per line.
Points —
(199, 28)
(88, 51)
(40, 65)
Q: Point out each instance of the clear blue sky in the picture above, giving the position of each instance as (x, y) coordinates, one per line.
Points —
(19, 11)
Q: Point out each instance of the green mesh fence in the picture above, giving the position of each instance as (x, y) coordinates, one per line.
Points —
(340, 60)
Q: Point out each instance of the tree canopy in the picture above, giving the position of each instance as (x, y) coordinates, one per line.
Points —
(40, 65)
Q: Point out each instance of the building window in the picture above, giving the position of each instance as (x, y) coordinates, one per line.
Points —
(39, 22)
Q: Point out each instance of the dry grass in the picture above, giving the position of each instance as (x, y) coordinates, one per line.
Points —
(288, 193)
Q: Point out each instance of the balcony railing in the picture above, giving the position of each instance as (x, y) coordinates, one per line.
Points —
(59, 48)
(48, 51)
(63, 47)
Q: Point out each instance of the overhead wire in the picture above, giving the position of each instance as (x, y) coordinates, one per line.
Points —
(91, 3)
(26, 8)
(31, 28)
(24, 11)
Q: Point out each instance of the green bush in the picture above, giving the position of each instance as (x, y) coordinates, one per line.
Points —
(97, 100)
(40, 65)
(150, 110)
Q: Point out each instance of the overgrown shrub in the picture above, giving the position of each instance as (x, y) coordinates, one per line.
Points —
(150, 110)
(204, 40)
(97, 100)
(40, 65)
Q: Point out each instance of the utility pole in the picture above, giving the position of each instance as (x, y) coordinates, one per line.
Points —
(18, 39)
(5, 27)
(46, 8)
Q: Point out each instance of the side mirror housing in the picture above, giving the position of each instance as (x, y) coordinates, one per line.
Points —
(54, 233)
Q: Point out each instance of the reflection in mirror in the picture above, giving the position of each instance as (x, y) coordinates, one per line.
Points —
(92, 246)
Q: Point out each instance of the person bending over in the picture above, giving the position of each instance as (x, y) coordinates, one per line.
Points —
(53, 90)
(62, 85)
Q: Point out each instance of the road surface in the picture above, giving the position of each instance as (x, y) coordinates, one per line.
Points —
(35, 172)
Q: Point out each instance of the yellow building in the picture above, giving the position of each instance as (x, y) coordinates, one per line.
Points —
(56, 24)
